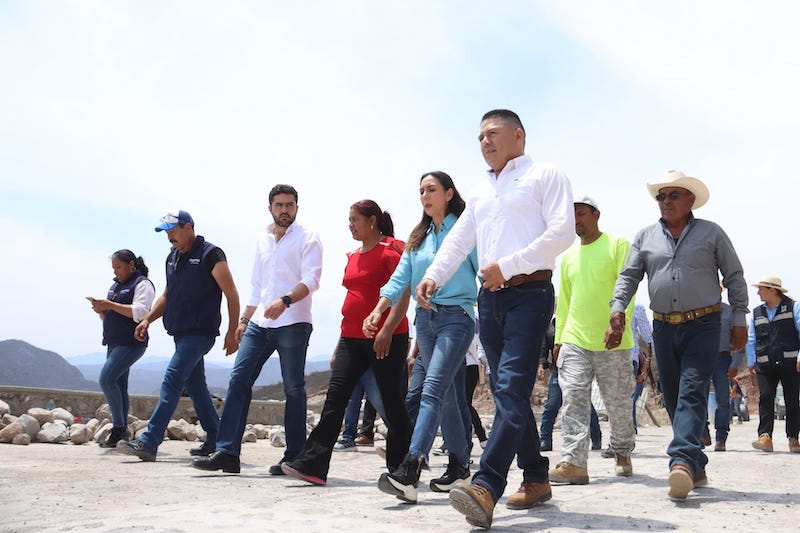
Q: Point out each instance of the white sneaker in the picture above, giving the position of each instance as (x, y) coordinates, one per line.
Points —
(440, 451)
(345, 446)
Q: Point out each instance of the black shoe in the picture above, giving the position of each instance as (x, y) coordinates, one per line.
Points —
(454, 473)
(204, 449)
(218, 461)
(403, 482)
(608, 453)
(597, 445)
(275, 470)
(117, 434)
(546, 446)
(137, 448)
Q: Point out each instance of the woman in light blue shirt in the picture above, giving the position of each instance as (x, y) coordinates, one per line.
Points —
(443, 335)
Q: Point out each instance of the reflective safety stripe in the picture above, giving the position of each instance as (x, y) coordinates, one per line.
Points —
(783, 316)
(762, 359)
(760, 320)
(790, 355)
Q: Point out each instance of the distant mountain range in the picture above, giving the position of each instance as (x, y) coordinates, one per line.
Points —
(25, 365)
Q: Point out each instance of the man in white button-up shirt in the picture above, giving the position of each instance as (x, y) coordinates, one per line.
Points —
(521, 218)
(287, 268)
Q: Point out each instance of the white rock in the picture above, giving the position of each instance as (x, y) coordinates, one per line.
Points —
(103, 412)
(201, 433)
(29, 425)
(8, 433)
(4, 408)
(139, 432)
(93, 424)
(260, 430)
(41, 415)
(61, 422)
(311, 418)
(249, 436)
(22, 439)
(278, 438)
(7, 419)
(101, 435)
(138, 426)
(63, 414)
(53, 433)
(79, 434)
(181, 430)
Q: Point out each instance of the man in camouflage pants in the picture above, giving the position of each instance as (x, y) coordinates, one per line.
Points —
(588, 273)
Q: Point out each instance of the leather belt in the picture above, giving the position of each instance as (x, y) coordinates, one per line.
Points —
(687, 316)
(725, 353)
(539, 275)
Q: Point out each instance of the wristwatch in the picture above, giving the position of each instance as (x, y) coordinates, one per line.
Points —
(287, 300)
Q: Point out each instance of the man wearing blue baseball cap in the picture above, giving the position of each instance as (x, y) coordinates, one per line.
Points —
(197, 277)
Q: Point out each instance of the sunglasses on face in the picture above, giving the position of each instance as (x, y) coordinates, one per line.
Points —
(674, 195)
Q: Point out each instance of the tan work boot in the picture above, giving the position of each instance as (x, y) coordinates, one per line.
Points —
(528, 495)
(680, 481)
(569, 473)
(622, 465)
(763, 443)
(475, 502)
(794, 445)
(700, 479)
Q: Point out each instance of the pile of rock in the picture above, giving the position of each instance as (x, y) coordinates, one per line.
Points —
(59, 425)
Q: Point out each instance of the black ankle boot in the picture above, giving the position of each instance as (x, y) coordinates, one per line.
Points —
(218, 461)
(117, 434)
(454, 473)
(204, 449)
(403, 482)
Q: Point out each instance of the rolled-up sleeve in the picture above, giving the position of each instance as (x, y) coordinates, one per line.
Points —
(629, 277)
(143, 297)
(311, 262)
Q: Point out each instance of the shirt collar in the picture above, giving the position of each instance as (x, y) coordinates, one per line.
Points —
(271, 228)
(511, 165)
(447, 223)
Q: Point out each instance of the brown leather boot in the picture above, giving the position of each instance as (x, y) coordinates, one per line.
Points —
(475, 502)
(763, 443)
(529, 495)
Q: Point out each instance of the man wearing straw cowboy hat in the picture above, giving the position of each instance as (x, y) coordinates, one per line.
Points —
(772, 353)
(682, 257)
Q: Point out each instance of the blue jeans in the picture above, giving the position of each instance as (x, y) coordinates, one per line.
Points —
(257, 345)
(443, 337)
(366, 385)
(551, 407)
(114, 379)
(513, 325)
(686, 355)
(186, 370)
(722, 395)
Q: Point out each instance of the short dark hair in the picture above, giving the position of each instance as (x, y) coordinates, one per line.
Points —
(282, 189)
(505, 115)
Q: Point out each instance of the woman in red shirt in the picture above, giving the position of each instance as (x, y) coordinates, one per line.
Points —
(368, 269)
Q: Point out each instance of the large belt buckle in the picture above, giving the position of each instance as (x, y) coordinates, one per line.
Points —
(675, 318)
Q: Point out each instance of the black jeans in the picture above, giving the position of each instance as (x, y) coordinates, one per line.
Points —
(472, 382)
(768, 379)
(353, 357)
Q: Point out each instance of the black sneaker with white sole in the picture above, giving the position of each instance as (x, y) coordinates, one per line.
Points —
(454, 473)
(404, 481)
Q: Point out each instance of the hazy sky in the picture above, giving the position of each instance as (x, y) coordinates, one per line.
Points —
(112, 113)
